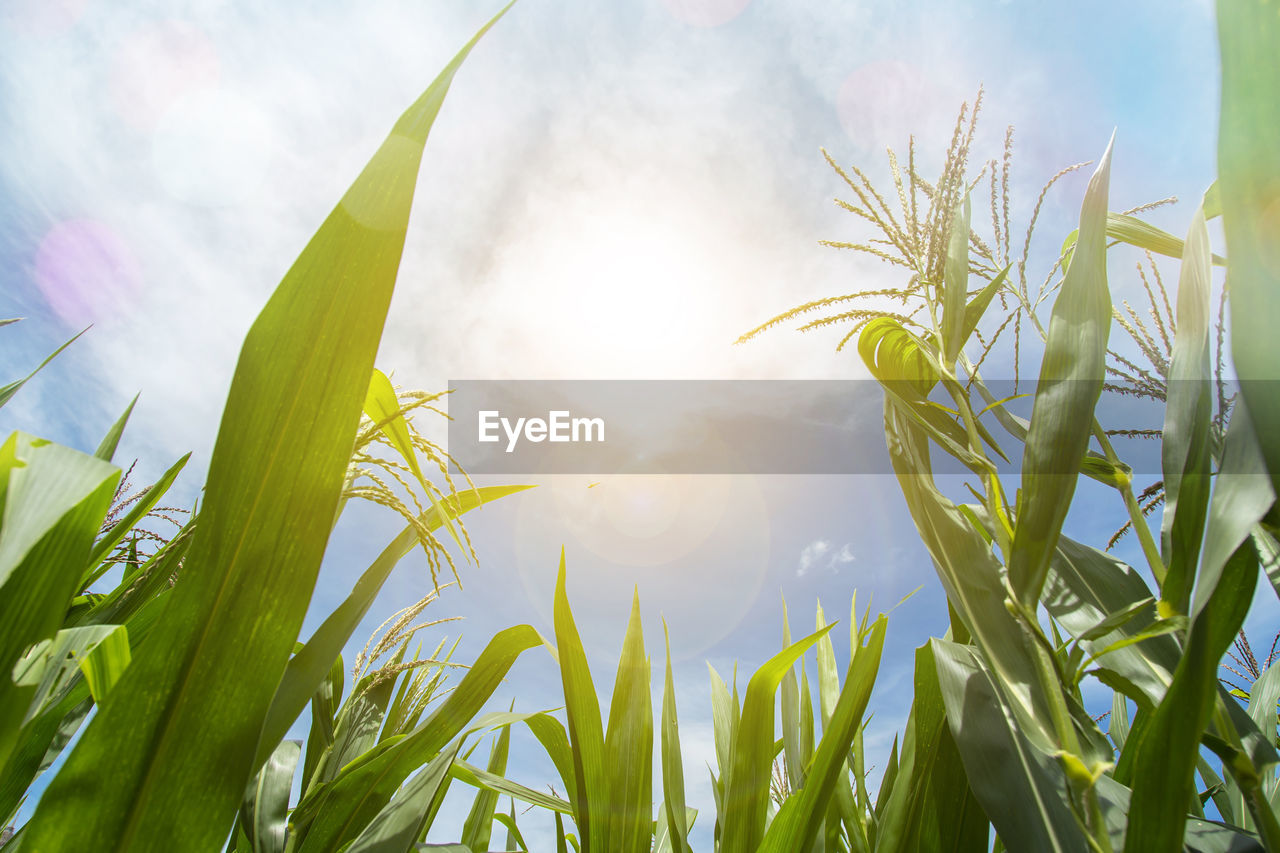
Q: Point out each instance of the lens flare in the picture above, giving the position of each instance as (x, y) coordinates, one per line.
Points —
(86, 272)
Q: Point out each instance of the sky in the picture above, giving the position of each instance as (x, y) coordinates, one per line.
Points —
(612, 191)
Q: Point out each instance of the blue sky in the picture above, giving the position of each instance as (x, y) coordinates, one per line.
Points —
(611, 191)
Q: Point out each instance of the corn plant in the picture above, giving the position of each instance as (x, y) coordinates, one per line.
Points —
(1034, 612)
(189, 718)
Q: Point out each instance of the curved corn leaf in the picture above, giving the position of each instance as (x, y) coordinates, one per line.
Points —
(308, 668)
(586, 735)
(746, 795)
(931, 806)
(7, 392)
(1013, 772)
(266, 799)
(405, 819)
(1071, 377)
(1249, 177)
(333, 814)
(107, 447)
(1167, 746)
(673, 763)
(118, 531)
(478, 826)
(628, 746)
(955, 276)
(163, 768)
(485, 780)
(1185, 439)
(803, 815)
(52, 503)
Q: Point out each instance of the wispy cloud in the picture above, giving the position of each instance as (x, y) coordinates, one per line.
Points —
(820, 554)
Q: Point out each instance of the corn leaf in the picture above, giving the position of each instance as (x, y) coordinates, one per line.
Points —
(804, 814)
(628, 745)
(932, 806)
(1008, 761)
(673, 763)
(586, 735)
(1249, 179)
(266, 799)
(7, 392)
(163, 768)
(1188, 413)
(308, 668)
(475, 776)
(1166, 747)
(955, 275)
(332, 815)
(404, 820)
(478, 826)
(52, 502)
(107, 447)
(747, 788)
(1071, 378)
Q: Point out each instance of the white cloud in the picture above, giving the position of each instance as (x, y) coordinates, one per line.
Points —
(819, 554)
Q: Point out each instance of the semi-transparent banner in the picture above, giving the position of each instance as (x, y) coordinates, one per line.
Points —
(761, 426)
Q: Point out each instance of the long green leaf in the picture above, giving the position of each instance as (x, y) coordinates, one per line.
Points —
(1249, 181)
(52, 502)
(334, 814)
(7, 392)
(1071, 378)
(308, 668)
(404, 820)
(628, 746)
(673, 762)
(107, 447)
(478, 826)
(586, 733)
(802, 817)
(1167, 746)
(1009, 764)
(747, 788)
(955, 276)
(163, 768)
(266, 799)
(1188, 414)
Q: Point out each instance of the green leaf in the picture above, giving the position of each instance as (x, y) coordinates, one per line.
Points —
(104, 662)
(107, 448)
(805, 812)
(955, 276)
(628, 745)
(404, 820)
(163, 767)
(515, 840)
(1009, 763)
(266, 799)
(333, 814)
(672, 762)
(308, 668)
(747, 788)
(1167, 746)
(1071, 378)
(471, 775)
(1135, 232)
(7, 392)
(478, 826)
(52, 502)
(1188, 415)
(932, 806)
(1085, 590)
(1249, 180)
(582, 707)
